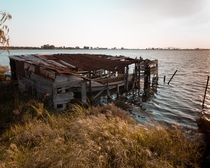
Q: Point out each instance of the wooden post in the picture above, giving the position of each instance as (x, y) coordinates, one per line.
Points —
(139, 77)
(89, 73)
(136, 74)
(118, 90)
(108, 91)
(90, 86)
(172, 77)
(139, 69)
(126, 82)
(207, 83)
(164, 79)
(84, 91)
(146, 76)
(100, 74)
(134, 79)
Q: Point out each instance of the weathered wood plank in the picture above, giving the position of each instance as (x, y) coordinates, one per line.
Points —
(66, 84)
(36, 86)
(41, 79)
(63, 98)
(41, 88)
(67, 77)
(29, 67)
(25, 84)
(48, 73)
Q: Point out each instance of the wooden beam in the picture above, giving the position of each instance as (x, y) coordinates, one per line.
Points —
(90, 86)
(99, 93)
(126, 78)
(63, 98)
(108, 91)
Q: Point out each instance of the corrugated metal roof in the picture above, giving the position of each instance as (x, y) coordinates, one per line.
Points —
(68, 63)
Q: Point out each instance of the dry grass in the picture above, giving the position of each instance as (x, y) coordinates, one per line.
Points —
(3, 69)
(103, 137)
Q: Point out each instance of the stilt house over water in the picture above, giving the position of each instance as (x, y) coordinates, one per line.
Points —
(58, 77)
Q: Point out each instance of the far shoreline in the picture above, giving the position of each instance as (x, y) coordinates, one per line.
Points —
(96, 48)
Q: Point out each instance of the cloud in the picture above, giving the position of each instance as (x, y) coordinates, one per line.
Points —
(158, 12)
(175, 8)
(163, 9)
(180, 8)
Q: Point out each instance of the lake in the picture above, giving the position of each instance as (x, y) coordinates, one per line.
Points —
(180, 101)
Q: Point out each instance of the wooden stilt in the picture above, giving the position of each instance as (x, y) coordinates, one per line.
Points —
(84, 91)
(146, 76)
(108, 91)
(207, 83)
(89, 74)
(118, 90)
(172, 77)
(139, 66)
(126, 83)
(90, 86)
(139, 76)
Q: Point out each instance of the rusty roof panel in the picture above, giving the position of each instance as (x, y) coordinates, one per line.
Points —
(68, 63)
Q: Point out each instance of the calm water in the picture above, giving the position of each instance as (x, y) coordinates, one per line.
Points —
(181, 101)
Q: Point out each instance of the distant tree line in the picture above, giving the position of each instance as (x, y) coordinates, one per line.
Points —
(53, 47)
(18, 48)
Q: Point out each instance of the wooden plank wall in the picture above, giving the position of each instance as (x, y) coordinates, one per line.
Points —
(55, 86)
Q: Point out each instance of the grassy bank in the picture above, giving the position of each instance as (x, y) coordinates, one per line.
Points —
(34, 136)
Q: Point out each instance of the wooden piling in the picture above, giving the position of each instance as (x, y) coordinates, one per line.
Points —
(108, 91)
(207, 83)
(139, 72)
(134, 77)
(90, 86)
(126, 79)
(84, 91)
(118, 90)
(146, 76)
(172, 77)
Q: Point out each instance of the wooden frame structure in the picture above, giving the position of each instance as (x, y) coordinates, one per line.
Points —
(58, 77)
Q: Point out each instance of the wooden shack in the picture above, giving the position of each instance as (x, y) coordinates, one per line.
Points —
(58, 77)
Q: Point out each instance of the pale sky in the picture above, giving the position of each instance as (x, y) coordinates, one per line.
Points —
(109, 23)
